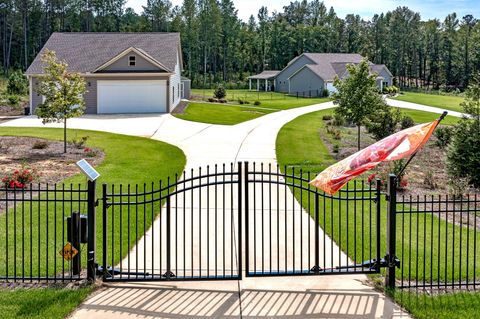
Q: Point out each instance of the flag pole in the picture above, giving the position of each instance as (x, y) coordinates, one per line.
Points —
(414, 154)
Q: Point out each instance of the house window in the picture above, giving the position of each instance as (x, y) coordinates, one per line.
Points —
(131, 60)
(385, 84)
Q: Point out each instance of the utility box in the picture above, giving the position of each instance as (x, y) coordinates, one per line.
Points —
(81, 229)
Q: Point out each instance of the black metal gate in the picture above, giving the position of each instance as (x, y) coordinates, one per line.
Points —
(293, 228)
(185, 229)
(190, 228)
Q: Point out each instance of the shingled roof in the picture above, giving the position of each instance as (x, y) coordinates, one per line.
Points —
(329, 65)
(85, 52)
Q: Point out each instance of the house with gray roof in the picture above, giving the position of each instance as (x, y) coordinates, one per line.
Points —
(311, 73)
(124, 72)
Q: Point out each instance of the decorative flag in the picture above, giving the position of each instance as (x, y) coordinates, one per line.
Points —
(391, 148)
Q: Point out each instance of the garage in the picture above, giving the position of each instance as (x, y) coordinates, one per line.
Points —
(132, 96)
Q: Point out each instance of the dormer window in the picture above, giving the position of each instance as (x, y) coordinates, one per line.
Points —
(131, 60)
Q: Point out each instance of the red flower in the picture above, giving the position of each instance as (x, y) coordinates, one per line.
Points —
(371, 178)
(87, 149)
(403, 182)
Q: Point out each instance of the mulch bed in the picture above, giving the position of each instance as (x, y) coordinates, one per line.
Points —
(180, 109)
(50, 163)
(6, 110)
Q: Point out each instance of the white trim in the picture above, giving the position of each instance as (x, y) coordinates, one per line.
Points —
(130, 60)
(30, 92)
(137, 51)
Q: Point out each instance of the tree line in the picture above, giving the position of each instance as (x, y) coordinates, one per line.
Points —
(219, 47)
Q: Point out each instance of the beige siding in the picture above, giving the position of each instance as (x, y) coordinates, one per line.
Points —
(140, 65)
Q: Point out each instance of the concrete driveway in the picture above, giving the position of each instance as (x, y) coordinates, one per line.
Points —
(296, 297)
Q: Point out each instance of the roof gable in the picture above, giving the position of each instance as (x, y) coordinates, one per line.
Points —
(86, 52)
(137, 53)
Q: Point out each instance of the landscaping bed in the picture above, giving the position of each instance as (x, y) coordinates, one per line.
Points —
(43, 158)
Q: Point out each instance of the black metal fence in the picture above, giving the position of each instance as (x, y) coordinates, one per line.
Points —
(35, 225)
(292, 228)
(188, 228)
(435, 241)
(209, 223)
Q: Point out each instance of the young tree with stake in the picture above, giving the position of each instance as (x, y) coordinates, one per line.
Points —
(357, 95)
(62, 93)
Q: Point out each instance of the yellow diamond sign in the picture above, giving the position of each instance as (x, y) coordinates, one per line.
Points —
(68, 252)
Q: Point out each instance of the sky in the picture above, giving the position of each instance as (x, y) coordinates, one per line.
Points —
(365, 8)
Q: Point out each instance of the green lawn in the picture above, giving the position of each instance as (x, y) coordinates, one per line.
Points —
(299, 146)
(273, 100)
(38, 303)
(447, 102)
(221, 114)
(442, 306)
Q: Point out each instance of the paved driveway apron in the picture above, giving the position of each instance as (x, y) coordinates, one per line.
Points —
(295, 297)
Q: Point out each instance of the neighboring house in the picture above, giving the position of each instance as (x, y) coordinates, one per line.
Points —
(125, 72)
(311, 73)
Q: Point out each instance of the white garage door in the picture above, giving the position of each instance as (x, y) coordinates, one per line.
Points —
(135, 96)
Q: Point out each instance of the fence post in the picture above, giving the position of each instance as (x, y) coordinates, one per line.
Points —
(240, 242)
(91, 218)
(316, 268)
(104, 231)
(391, 230)
(247, 212)
(378, 198)
(169, 274)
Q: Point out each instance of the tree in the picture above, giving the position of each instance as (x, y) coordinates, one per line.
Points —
(357, 95)
(463, 156)
(62, 92)
(383, 122)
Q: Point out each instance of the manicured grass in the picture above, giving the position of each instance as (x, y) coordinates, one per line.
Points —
(128, 160)
(39, 303)
(299, 146)
(443, 306)
(424, 117)
(447, 102)
(272, 100)
(221, 114)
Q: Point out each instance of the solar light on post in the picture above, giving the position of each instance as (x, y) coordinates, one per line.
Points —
(92, 176)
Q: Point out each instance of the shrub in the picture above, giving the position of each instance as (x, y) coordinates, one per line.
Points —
(383, 122)
(220, 92)
(429, 181)
(325, 93)
(240, 102)
(79, 143)
(212, 100)
(457, 187)
(338, 120)
(20, 178)
(89, 152)
(17, 83)
(327, 117)
(40, 145)
(13, 100)
(397, 167)
(257, 103)
(246, 102)
(223, 101)
(444, 136)
(336, 148)
(406, 122)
